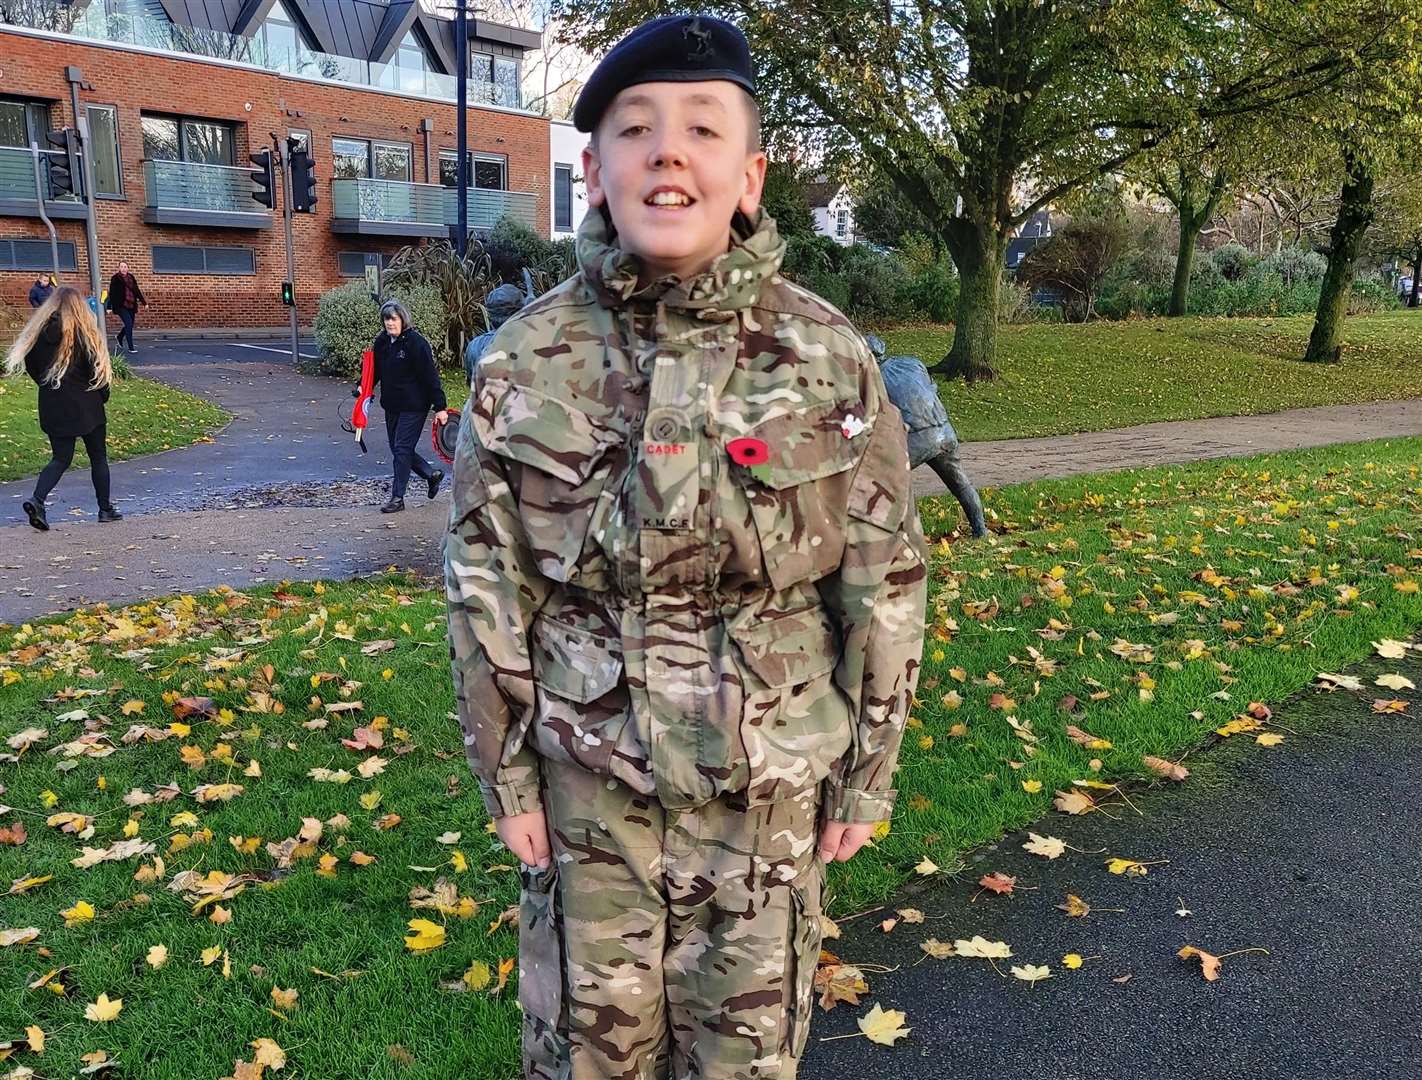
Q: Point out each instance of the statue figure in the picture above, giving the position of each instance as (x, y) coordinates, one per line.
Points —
(931, 438)
(502, 304)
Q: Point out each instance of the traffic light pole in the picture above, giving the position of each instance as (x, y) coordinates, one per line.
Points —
(39, 202)
(461, 126)
(86, 168)
(280, 148)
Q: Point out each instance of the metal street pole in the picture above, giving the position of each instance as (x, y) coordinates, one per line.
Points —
(281, 149)
(86, 167)
(461, 79)
(39, 201)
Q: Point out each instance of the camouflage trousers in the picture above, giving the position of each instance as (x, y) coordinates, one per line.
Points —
(668, 945)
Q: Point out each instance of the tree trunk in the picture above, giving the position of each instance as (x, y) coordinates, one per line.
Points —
(1412, 301)
(1184, 261)
(1355, 214)
(979, 258)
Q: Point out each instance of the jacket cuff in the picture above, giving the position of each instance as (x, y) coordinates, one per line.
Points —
(505, 800)
(851, 806)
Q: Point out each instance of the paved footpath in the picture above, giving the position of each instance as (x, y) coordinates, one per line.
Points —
(1311, 850)
(282, 492)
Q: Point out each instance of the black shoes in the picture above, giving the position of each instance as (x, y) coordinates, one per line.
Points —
(109, 513)
(35, 512)
(435, 481)
(394, 506)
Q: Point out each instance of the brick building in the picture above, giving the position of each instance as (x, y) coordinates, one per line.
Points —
(178, 92)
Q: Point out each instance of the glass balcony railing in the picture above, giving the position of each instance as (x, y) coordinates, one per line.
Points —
(401, 208)
(396, 207)
(176, 191)
(17, 184)
(486, 207)
(93, 22)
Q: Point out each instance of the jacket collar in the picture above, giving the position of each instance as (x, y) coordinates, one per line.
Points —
(728, 285)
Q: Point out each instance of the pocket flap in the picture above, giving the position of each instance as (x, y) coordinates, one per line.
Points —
(536, 429)
(574, 663)
(808, 444)
(790, 649)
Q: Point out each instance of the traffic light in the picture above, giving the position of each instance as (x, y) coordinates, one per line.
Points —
(303, 177)
(264, 176)
(65, 176)
(288, 295)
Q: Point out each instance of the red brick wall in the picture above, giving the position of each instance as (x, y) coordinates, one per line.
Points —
(137, 83)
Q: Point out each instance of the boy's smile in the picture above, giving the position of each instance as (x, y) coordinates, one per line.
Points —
(672, 162)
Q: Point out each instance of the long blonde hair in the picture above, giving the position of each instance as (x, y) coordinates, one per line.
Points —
(76, 321)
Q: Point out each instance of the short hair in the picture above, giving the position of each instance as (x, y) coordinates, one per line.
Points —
(399, 310)
(753, 139)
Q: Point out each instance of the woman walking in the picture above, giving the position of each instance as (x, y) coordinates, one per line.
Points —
(409, 386)
(64, 352)
(124, 298)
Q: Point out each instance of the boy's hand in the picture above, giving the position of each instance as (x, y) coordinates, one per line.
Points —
(839, 842)
(526, 835)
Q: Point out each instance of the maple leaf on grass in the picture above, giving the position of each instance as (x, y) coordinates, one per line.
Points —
(103, 1010)
(1074, 802)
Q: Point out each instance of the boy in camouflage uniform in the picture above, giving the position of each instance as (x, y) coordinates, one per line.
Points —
(686, 587)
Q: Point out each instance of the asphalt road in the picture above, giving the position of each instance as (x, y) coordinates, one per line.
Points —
(1311, 850)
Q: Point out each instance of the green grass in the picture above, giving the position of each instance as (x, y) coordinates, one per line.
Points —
(1058, 379)
(143, 417)
(1228, 571)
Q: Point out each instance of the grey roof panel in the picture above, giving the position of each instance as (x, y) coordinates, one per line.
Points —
(400, 15)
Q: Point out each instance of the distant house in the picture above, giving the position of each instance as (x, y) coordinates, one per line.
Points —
(1035, 230)
(570, 193)
(833, 210)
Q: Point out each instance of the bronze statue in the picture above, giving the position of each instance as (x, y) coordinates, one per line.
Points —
(931, 438)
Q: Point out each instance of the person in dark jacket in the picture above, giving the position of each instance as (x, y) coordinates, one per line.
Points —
(40, 291)
(64, 351)
(409, 385)
(124, 298)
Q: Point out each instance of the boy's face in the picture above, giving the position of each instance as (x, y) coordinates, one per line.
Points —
(673, 162)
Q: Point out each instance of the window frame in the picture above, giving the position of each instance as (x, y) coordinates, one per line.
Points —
(68, 256)
(558, 225)
(205, 271)
(384, 262)
(475, 156)
(120, 195)
(182, 121)
(393, 144)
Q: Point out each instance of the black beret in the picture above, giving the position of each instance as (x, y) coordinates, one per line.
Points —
(674, 48)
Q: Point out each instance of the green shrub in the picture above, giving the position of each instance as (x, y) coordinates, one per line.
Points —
(1233, 260)
(1370, 295)
(932, 291)
(122, 369)
(513, 246)
(1293, 264)
(875, 282)
(347, 321)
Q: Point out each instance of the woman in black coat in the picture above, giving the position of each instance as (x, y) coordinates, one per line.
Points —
(65, 353)
(409, 386)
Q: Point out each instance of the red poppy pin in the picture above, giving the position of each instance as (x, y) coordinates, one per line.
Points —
(754, 454)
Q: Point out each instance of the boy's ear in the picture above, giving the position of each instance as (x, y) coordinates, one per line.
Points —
(754, 184)
(592, 177)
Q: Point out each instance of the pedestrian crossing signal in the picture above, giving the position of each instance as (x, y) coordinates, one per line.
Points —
(288, 294)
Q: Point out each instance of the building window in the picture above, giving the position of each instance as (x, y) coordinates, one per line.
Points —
(23, 122)
(841, 224)
(408, 68)
(221, 261)
(179, 138)
(495, 79)
(362, 158)
(488, 171)
(352, 263)
(563, 198)
(302, 137)
(281, 39)
(104, 142)
(34, 255)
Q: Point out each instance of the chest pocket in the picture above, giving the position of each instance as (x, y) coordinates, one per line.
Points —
(569, 456)
(799, 497)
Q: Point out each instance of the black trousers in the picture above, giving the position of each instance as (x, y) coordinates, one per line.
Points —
(404, 430)
(126, 316)
(62, 456)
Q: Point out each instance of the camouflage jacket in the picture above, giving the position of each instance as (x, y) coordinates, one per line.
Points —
(624, 596)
